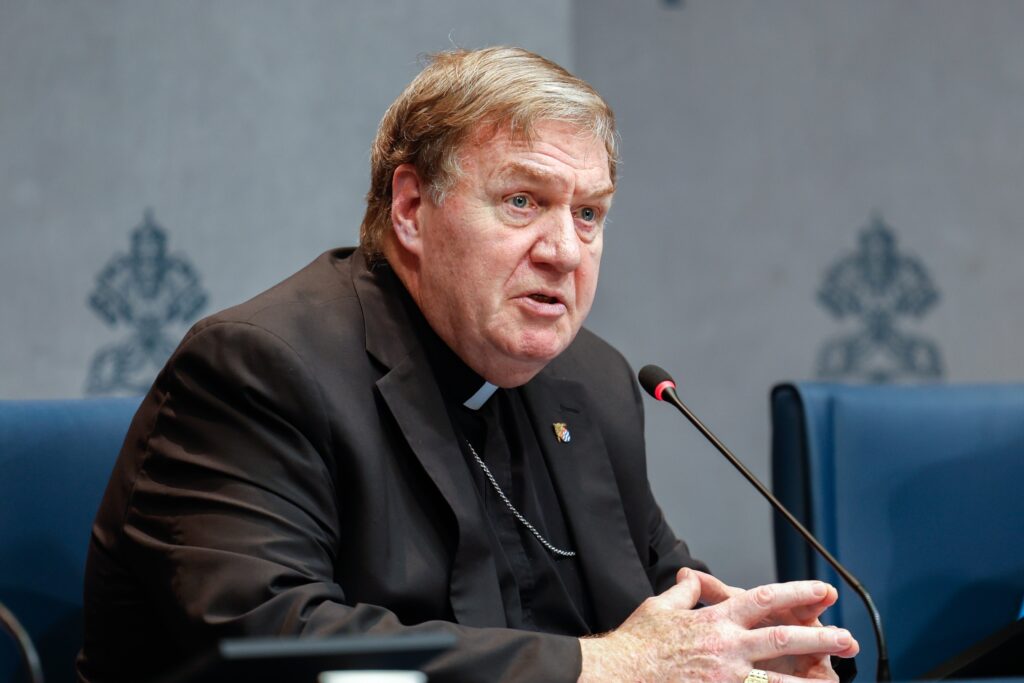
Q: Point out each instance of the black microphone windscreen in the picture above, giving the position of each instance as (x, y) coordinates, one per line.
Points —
(651, 376)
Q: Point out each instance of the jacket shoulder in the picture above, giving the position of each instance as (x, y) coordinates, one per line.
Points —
(326, 279)
(298, 309)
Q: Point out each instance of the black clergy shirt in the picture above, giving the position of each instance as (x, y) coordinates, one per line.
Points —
(541, 591)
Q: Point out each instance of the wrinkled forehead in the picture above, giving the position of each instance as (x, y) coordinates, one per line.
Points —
(505, 136)
(545, 154)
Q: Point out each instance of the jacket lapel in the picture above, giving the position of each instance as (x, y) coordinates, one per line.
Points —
(412, 395)
(590, 498)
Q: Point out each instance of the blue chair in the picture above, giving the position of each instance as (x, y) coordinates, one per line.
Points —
(55, 459)
(919, 491)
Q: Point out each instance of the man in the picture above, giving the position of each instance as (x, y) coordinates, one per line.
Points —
(417, 435)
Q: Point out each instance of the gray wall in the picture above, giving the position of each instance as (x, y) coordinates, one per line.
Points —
(245, 125)
(758, 139)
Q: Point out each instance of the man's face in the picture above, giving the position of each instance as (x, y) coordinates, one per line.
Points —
(508, 263)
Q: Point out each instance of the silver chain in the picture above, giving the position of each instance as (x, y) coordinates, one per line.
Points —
(512, 508)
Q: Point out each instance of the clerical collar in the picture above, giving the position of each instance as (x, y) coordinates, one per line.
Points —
(477, 400)
(458, 382)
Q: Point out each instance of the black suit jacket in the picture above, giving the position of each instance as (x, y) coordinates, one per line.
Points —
(293, 471)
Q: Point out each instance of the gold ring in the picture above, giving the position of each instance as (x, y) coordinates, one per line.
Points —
(756, 676)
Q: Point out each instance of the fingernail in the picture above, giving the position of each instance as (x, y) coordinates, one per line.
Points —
(685, 573)
(844, 640)
(819, 590)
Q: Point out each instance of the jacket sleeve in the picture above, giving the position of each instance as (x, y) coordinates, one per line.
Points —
(668, 553)
(230, 514)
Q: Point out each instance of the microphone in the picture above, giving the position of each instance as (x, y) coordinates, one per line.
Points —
(659, 384)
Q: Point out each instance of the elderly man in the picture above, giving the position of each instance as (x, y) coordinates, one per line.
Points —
(417, 435)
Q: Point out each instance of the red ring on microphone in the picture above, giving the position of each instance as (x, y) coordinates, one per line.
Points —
(662, 386)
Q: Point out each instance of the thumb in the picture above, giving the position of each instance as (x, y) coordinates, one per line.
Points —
(714, 591)
(686, 592)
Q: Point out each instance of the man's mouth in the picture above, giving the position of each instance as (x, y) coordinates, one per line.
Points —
(544, 299)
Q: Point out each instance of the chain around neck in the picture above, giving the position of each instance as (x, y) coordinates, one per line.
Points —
(512, 508)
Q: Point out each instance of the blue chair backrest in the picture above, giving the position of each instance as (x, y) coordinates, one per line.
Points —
(55, 459)
(919, 491)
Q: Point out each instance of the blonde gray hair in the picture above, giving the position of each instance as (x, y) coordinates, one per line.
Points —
(457, 94)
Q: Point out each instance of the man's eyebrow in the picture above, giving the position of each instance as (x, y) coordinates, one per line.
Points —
(517, 169)
(605, 191)
(514, 170)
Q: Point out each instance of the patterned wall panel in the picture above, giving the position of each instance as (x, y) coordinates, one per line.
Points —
(149, 294)
(876, 287)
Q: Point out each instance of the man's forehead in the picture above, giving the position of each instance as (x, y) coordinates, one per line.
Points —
(542, 158)
(519, 169)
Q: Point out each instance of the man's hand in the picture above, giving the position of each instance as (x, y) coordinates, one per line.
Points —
(771, 627)
(813, 666)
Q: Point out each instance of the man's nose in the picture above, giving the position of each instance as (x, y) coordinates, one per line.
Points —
(559, 245)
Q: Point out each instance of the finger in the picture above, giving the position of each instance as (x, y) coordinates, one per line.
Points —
(815, 667)
(851, 651)
(685, 593)
(774, 677)
(713, 590)
(808, 613)
(811, 674)
(757, 604)
(854, 649)
(776, 641)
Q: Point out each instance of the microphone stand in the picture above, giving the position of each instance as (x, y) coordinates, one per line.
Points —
(25, 647)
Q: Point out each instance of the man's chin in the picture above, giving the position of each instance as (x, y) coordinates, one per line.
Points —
(542, 348)
(508, 371)
(523, 362)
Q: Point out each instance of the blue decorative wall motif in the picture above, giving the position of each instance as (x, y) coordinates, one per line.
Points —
(877, 285)
(144, 290)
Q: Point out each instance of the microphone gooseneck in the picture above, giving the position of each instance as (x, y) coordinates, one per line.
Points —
(659, 384)
(26, 649)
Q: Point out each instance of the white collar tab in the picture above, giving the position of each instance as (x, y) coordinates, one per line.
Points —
(477, 400)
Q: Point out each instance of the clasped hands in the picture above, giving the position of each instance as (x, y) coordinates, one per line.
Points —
(773, 627)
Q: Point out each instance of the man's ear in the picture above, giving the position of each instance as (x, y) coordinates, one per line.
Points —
(407, 196)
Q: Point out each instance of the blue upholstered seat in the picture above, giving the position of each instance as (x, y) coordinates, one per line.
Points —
(919, 491)
(55, 459)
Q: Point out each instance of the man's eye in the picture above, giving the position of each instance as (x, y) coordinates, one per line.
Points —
(519, 201)
(588, 214)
